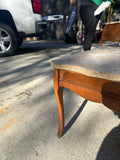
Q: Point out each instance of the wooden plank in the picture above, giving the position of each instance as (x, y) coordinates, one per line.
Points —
(111, 32)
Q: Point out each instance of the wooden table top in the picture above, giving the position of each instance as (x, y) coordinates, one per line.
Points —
(116, 22)
(101, 63)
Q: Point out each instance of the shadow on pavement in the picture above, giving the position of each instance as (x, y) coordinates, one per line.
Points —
(74, 118)
(110, 148)
(37, 46)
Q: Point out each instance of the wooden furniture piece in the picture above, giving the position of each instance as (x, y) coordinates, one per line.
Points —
(94, 75)
(111, 32)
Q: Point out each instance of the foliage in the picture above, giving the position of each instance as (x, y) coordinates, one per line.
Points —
(112, 6)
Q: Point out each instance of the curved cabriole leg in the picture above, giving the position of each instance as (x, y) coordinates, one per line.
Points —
(59, 97)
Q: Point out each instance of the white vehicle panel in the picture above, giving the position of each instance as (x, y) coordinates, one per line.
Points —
(24, 18)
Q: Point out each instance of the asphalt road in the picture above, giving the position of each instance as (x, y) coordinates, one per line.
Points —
(29, 117)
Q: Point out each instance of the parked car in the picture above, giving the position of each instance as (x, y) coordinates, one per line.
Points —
(19, 19)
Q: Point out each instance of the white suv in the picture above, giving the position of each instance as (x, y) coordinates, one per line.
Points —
(18, 19)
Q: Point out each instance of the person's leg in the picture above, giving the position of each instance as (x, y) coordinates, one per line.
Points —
(90, 23)
(90, 28)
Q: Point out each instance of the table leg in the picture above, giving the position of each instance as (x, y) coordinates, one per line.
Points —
(91, 88)
(59, 97)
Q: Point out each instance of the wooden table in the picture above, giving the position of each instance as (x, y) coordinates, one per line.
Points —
(94, 75)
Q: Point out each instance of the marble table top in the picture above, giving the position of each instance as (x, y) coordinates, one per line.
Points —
(102, 63)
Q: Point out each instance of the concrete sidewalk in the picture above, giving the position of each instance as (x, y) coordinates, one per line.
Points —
(29, 116)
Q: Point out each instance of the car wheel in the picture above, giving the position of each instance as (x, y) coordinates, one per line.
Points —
(70, 37)
(20, 41)
(8, 40)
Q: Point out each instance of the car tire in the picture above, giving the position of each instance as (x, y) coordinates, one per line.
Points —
(20, 41)
(70, 38)
(8, 40)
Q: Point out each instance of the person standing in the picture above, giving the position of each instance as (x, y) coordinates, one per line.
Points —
(90, 13)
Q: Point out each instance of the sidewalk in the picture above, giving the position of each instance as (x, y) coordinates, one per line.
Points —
(29, 116)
